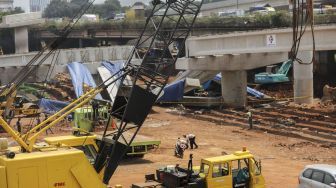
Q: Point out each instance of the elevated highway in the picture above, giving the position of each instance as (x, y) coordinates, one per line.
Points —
(11, 64)
(234, 53)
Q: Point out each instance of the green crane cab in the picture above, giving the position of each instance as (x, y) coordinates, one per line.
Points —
(271, 78)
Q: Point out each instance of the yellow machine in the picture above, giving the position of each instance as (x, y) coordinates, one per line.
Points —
(47, 165)
(239, 169)
(18, 105)
(43, 165)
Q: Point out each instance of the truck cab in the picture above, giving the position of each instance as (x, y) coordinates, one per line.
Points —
(239, 169)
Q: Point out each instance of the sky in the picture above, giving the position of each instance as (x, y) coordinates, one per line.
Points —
(25, 3)
(126, 2)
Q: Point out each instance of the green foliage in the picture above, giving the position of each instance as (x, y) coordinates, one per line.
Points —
(276, 19)
(211, 1)
(62, 8)
(325, 18)
(58, 9)
(16, 10)
(272, 20)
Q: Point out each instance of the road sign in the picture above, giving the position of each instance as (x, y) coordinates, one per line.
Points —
(271, 40)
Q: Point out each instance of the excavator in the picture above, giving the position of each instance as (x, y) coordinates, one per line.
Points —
(38, 164)
(16, 104)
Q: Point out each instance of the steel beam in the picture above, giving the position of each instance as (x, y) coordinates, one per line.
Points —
(260, 42)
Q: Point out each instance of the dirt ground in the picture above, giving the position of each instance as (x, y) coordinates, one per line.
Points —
(282, 157)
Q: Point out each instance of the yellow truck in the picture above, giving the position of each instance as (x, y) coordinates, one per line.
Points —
(237, 170)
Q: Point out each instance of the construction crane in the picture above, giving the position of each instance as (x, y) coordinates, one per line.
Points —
(8, 93)
(39, 165)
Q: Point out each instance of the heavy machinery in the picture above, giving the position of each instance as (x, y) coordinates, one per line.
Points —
(271, 78)
(17, 105)
(85, 120)
(20, 105)
(33, 164)
(239, 169)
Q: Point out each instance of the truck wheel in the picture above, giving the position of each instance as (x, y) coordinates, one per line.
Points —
(200, 183)
(139, 155)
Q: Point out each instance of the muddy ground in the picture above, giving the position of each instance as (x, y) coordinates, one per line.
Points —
(283, 157)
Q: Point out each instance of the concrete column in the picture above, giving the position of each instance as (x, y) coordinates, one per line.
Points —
(21, 40)
(80, 43)
(303, 79)
(234, 85)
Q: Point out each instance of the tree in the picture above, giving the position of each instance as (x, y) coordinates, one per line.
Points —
(17, 10)
(107, 9)
(112, 5)
(62, 8)
(57, 9)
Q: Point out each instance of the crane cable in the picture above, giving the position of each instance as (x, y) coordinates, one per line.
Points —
(301, 19)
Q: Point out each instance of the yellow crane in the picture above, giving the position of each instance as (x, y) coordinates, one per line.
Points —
(37, 164)
(41, 165)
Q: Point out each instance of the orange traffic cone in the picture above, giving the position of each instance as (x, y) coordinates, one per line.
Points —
(113, 125)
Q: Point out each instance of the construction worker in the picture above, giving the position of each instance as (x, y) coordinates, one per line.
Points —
(180, 146)
(249, 118)
(95, 107)
(11, 116)
(191, 140)
(38, 121)
(18, 125)
(45, 118)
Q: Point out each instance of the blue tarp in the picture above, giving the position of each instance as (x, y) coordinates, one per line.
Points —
(51, 106)
(255, 93)
(250, 91)
(173, 92)
(113, 66)
(81, 75)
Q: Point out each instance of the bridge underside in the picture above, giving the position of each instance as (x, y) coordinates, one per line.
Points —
(234, 53)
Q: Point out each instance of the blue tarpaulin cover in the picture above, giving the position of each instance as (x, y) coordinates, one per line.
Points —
(80, 75)
(113, 66)
(173, 91)
(250, 91)
(51, 106)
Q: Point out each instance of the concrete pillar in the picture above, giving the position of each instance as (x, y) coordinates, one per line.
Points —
(303, 79)
(21, 40)
(80, 43)
(234, 85)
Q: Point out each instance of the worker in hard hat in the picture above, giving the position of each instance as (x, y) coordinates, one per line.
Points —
(249, 118)
(191, 139)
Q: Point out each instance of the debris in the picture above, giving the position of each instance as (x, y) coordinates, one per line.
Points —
(201, 111)
(287, 122)
(329, 94)
(330, 145)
